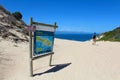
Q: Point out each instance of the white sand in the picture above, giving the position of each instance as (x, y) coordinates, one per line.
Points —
(88, 62)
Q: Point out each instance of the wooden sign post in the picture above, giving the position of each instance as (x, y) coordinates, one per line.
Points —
(41, 41)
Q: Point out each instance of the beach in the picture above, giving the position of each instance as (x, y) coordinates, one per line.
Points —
(72, 60)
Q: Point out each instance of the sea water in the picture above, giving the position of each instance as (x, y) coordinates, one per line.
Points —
(77, 36)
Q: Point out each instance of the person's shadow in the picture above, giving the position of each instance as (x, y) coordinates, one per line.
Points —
(56, 68)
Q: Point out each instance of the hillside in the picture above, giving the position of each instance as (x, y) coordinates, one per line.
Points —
(11, 28)
(113, 35)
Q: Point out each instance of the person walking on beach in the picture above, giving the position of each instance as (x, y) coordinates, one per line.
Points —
(94, 38)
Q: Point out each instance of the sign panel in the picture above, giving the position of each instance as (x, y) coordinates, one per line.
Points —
(43, 40)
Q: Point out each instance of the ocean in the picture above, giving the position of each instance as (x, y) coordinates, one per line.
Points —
(77, 36)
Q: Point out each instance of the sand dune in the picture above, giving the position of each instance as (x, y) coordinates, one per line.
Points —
(72, 61)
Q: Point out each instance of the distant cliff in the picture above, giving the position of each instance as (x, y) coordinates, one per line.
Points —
(12, 28)
(113, 35)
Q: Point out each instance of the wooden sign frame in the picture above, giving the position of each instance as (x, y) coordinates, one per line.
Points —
(31, 45)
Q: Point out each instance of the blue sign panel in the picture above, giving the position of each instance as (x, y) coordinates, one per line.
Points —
(43, 42)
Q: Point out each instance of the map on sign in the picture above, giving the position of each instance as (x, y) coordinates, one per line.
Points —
(43, 42)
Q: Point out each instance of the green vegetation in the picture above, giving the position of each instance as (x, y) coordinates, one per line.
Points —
(17, 15)
(113, 35)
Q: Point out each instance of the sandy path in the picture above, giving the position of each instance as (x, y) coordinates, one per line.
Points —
(72, 61)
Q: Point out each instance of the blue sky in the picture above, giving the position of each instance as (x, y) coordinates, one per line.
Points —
(70, 15)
